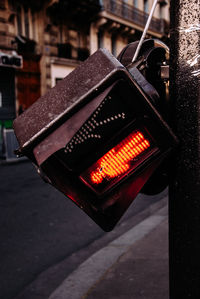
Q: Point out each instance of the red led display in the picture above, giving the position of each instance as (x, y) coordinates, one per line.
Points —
(118, 161)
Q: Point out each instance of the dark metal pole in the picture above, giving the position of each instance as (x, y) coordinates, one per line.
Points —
(184, 191)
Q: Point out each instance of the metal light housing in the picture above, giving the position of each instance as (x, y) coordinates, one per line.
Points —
(92, 115)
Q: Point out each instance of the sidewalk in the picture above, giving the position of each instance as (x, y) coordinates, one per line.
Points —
(133, 266)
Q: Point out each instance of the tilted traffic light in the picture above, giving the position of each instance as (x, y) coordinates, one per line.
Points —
(96, 136)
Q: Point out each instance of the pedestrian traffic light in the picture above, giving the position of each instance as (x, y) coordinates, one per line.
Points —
(96, 136)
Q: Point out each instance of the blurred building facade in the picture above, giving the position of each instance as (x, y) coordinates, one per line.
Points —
(54, 36)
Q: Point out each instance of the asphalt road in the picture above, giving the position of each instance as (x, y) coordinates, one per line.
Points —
(40, 228)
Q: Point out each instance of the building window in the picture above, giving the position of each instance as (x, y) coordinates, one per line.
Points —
(125, 8)
(65, 50)
(162, 7)
(114, 45)
(33, 25)
(146, 6)
(113, 5)
(26, 21)
(100, 39)
(19, 20)
(161, 11)
(2, 4)
(135, 3)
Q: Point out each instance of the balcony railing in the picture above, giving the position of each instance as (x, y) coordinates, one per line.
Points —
(132, 14)
(76, 12)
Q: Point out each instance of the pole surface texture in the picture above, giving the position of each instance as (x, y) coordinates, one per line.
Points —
(184, 190)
